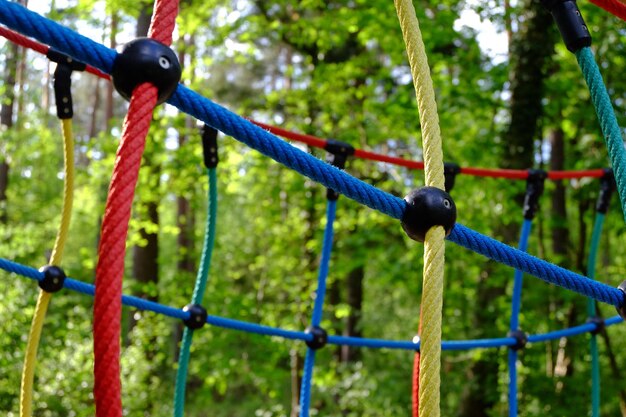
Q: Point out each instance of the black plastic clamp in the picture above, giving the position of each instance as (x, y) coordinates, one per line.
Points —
(197, 316)
(63, 81)
(209, 146)
(53, 278)
(621, 310)
(320, 337)
(520, 337)
(607, 187)
(450, 171)
(574, 31)
(534, 190)
(599, 322)
(340, 152)
(428, 207)
(146, 60)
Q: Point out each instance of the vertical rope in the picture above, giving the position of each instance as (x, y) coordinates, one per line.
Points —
(112, 247)
(591, 312)
(43, 300)
(316, 318)
(434, 247)
(198, 293)
(516, 303)
(606, 116)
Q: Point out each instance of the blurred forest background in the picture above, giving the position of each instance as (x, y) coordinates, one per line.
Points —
(335, 69)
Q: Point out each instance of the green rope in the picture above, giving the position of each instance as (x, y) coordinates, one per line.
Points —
(608, 121)
(198, 293)
(591, 311)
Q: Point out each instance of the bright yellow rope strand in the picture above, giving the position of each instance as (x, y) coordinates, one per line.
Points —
(434, 246)
(28, 373)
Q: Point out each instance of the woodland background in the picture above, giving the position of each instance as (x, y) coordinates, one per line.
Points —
(335, 69)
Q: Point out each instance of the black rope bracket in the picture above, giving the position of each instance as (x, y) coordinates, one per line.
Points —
(53, 278)
(450, 171)
(209, 146)
(320, 337)
(340, 152)
(197, 316)
(607, 188)
(570, 22)
(534, 190)
(521, 339)
(63, 81)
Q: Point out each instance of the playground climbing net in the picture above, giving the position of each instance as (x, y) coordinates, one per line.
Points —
(147, 73)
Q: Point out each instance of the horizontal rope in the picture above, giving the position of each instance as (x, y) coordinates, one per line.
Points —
(176, 313)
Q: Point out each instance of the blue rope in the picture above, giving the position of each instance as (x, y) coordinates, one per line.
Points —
(73, 44)
(539, 268)
(606, 116)
(316, 318)
(226, 323)
(516, 303)
(198, 293)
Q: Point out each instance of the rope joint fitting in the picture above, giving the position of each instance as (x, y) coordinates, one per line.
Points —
(570, 22)
(607, 187)
(145, 60)
(209, 146)
(197, 316)
(621, 310)
(320, 337)
(599, 323)
(53, 278)
(534, 189)
(427, 207)
(340, 152)
(63, 81)
(521, 339)
(450, 171)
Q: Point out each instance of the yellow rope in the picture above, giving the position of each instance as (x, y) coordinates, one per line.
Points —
(28, 373)
(434, 246)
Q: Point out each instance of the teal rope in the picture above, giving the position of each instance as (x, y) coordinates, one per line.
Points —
(198, 293)
(608, 121)
(591, 311)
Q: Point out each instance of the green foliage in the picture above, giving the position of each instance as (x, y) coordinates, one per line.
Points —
(337, 70)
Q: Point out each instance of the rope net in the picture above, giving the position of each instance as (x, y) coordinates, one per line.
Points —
(41, 34)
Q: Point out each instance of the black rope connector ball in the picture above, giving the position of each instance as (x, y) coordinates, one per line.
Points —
(428, 207)
(146, 60)
(520, 337)
(599, 322)
(320, 337)
(53, 278)
(197, 316)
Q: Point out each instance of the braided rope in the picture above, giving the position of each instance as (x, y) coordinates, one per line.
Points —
(434, 248)
(112, 248)
(43, 299)
(608, 121)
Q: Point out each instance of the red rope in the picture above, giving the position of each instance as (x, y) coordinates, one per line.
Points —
(112, 248)
(416, 374)
(615, 7)
(41, 48)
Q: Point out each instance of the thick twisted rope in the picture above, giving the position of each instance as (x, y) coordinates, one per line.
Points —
(606, 116)
(43, 300)
(112, 247)
(434, 246)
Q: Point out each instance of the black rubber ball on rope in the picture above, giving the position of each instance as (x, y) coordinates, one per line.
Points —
(428, 207)
(146, 60)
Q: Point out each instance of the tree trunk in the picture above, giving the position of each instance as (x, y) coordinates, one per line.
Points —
(6, 121)
(354, 295)
(532, 46)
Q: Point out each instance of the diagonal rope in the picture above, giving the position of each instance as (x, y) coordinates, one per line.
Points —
(43, 300)
(434, 246)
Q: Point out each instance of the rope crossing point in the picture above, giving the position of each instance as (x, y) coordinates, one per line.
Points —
(374, 197)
